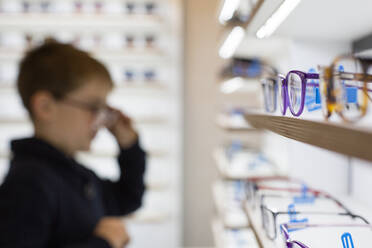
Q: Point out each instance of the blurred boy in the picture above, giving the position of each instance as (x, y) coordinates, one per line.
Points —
(47, 198)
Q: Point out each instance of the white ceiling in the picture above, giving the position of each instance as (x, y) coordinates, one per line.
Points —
(337, 20)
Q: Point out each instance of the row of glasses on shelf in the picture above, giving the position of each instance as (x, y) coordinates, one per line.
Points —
(78, 6)
(22, 41)
(126, 75)
(131, 76)
(344, 88)
(294, 215)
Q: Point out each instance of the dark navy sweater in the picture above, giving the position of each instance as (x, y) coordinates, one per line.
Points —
(50, 200)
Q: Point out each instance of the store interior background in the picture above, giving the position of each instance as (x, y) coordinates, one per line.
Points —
(181, 126)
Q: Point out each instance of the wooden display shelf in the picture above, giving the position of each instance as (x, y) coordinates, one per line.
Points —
(341, 138)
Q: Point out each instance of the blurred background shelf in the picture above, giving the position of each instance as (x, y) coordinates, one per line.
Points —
(103, 154)
(137, 120)
(134, 87)
(148, 216)
(120, 55)
(77, 21)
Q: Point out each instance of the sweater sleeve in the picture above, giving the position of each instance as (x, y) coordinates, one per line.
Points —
(92, 242)
(25, 212)
(125, 196)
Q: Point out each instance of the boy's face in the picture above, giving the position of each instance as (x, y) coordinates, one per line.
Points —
(76, 115)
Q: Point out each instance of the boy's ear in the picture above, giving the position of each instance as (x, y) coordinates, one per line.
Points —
(43, 106)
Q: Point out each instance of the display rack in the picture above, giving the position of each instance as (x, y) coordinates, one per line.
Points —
(234, 125)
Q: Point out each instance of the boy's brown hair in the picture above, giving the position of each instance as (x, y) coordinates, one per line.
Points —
(58, 69)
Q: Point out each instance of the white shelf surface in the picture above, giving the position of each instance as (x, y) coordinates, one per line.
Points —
(148, 216)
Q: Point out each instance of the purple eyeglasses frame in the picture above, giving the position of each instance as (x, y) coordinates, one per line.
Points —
(304, 77)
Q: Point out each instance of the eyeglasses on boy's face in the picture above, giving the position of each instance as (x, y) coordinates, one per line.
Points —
(94, 108)
(103, 114)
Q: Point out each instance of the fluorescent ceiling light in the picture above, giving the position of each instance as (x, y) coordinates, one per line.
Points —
(232, 42)
(277, 18)
(228, 9)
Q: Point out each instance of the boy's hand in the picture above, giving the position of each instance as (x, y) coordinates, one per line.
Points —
(121, 127)
(112, 230)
